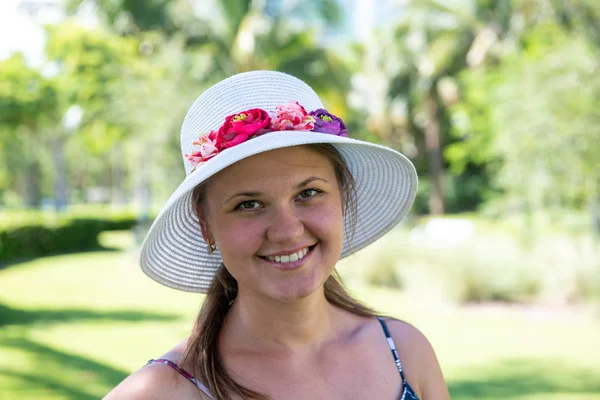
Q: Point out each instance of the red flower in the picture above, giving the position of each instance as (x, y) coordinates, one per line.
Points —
(240, 127)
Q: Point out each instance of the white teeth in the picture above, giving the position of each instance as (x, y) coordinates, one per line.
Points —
(290, 257)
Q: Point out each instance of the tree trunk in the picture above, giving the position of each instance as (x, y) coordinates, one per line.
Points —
(60, 174)
(433, 144)
(143, 196)
(595, 214)
(118, 176)
(32, 190)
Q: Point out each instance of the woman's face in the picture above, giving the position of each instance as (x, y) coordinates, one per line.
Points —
(277, 220)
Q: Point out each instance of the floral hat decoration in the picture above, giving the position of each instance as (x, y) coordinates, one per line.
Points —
(251, 113)
(249, 124)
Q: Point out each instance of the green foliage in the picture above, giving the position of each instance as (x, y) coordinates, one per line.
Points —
(26, 97)
(90, 62)
(470, 128)
(86, 67)
(547, 124)
(432, 45)
(29, 103)
(64, 235)
(132, 16)
(531, 123)
(464, 193)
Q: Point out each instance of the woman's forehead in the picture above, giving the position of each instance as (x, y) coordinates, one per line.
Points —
(280, 166)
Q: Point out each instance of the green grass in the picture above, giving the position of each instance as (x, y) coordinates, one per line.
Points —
(72, 327)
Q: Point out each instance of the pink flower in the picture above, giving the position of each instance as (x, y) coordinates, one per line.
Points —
(240, 127)
(292, 116)
(204, 149)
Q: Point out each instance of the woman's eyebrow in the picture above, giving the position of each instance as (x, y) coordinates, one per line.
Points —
(309, 180)
(256, 194)
(242, 194)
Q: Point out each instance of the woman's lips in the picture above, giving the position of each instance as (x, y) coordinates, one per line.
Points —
(291, 264)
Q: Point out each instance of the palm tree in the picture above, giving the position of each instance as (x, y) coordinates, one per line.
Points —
(239, 35)
(416, 67)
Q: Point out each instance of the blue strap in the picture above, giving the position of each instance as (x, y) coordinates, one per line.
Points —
(392, 347)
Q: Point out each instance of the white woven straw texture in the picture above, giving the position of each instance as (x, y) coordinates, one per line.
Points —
(174, 253)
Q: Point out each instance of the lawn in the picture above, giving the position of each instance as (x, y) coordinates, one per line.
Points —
(73, 326)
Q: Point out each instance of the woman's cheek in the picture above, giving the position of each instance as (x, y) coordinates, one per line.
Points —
(328, 216)
(241, 233)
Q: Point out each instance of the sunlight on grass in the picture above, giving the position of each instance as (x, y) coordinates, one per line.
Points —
(87, 320)
(119, 240)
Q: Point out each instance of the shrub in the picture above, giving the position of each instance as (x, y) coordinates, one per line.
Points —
(62, 235)
(491, 265)
(384, 271)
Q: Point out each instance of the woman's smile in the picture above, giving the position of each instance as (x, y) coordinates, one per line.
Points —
(289, 260)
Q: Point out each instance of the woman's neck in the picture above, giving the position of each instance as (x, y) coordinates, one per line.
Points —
(267, 324)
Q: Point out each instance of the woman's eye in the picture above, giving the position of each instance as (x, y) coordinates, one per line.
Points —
(248, 205)
(309, 193)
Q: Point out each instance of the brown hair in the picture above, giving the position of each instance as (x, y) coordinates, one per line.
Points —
(203, 351)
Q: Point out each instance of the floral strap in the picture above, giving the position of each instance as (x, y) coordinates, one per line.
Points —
(182, 372)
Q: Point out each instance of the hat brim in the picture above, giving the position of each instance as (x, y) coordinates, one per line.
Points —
(174, 253)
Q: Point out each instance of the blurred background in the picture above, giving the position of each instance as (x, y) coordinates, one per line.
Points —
(497, 102)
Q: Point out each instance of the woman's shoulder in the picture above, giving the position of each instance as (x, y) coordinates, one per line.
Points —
(404, 333)
(421, 367)
(157, 381)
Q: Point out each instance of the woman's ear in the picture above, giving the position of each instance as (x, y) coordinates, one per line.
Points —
(200, 211)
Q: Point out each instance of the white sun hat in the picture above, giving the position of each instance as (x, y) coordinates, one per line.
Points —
(174, 253)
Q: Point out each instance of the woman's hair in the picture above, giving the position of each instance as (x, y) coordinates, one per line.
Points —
(203, 351)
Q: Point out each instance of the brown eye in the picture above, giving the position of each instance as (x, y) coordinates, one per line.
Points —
(308, 193)
(248, 205)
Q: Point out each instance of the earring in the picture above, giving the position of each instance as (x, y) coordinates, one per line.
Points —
(212, 247)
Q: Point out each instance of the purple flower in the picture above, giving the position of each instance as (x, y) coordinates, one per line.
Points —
(328, 123)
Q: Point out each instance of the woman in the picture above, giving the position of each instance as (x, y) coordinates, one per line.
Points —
(274, 196)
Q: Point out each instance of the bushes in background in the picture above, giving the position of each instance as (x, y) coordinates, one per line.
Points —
(62, 235)
(491, 264)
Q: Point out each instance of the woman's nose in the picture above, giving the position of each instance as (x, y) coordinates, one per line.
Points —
(285, 226)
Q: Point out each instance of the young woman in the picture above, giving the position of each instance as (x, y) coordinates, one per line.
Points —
(275, 194)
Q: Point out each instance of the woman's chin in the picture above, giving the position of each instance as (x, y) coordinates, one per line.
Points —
(297, 289)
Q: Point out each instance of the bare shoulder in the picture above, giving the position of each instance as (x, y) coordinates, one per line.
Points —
(157, 382)
(407, 338)
(154, 381)
(421, 367)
